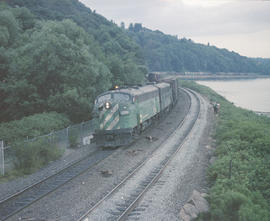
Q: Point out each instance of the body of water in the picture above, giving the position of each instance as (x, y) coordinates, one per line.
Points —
(251, 94)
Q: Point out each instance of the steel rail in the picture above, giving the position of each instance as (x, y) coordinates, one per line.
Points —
(7, 211)
(136, 169)
(29, 195)
(159, 173)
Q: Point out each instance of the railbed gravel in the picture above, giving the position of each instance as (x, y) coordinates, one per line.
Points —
(74, 198)
(111, 208)
(71, 156)
(186, 172)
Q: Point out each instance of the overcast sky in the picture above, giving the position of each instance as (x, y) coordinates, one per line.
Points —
(239, 25)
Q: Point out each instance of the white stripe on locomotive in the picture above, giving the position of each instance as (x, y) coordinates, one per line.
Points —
(113, 123)
(101, 114)
(109, 116)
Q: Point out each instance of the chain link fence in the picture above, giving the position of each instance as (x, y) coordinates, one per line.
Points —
(74, 136)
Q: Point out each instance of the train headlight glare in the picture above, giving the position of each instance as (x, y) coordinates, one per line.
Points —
(107, 105)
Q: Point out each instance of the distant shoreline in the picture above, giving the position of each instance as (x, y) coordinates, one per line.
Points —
(220, 77)
(263, 113)
(237, 89)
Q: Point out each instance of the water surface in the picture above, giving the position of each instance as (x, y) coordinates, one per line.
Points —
(252, 94)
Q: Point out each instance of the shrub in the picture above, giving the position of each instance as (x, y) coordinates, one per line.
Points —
(73, 138)
(31, 156)
(242, 137)
(31, 126)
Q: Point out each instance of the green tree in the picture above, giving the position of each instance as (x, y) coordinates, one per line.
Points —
(24, 17)
(62, 63)
(9, 28)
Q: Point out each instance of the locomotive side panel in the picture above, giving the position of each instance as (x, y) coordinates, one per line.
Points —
(148, 105)
(166, 98)
(174, 86)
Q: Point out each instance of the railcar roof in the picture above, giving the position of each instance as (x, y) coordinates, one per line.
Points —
(162, 85)
(159, 73)
(135, 91)
(138, 90)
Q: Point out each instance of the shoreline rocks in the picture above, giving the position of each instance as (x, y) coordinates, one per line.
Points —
(195, 205)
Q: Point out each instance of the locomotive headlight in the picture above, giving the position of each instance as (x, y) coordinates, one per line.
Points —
(107, 105)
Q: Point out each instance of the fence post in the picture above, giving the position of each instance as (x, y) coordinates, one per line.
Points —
(2, 158)
(51, 135)
(81, 133)
(67, 131)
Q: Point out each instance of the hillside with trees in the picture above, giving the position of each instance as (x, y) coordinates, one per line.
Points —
(58, 56)
(169, 53)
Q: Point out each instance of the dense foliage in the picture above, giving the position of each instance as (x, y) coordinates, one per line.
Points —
(116, 50)
(32, 126)
(58, 55)
(168, 53)
(33, 156)
(242, 140)
(48, 65)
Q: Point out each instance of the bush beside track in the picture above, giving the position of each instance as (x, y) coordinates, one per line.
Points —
(239, 178)
(31, 156)
(32, 126)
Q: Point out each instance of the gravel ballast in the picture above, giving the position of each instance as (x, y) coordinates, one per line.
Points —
(73, 199)
(185, 173)
(14, 186)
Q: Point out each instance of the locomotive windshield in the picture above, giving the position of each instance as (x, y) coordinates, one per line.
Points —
(118, 97)
(121, 97)
(104, 98)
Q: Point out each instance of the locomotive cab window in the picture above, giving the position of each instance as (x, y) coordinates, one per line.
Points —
(104, 98)
(121, 97)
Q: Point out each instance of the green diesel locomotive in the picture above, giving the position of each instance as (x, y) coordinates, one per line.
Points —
(121, 113)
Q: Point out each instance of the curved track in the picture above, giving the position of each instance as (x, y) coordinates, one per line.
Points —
(28, 196)
(18, 201)
(120, 201)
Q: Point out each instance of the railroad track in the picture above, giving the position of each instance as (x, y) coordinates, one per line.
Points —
(24, 198)
(28, 196)
(121, 200)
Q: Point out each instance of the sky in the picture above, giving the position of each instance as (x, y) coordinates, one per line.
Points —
(242, 26)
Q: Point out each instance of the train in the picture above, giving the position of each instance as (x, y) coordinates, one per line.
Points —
(121, 113)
